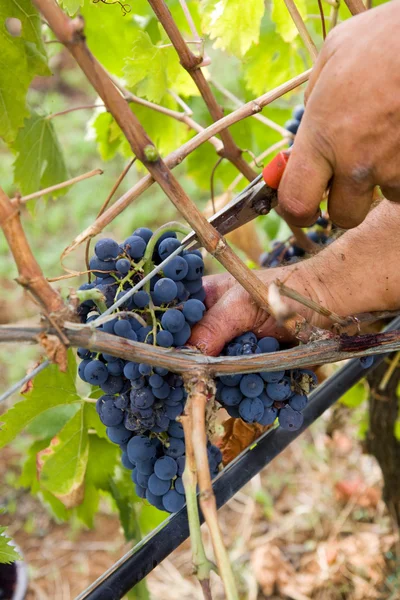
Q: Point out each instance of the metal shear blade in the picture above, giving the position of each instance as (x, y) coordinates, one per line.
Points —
(256, 199)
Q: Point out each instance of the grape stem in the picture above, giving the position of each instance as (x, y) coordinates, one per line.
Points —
(148, 261)
(95, 295)
(200, 387)
(201, 565)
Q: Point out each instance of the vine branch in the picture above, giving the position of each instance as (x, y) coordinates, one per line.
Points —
(30, 274)
(191, 64)
(302, 29)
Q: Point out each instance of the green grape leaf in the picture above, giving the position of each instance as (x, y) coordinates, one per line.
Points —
(122, 491)
(271, 62)
(284, 23)
(397, 430)
(234, 25)
(8, 554)
(49, 422)
(28, 477)
(25, 58)
(72, 6)
(40, 161)
(50, 388)
(356, 395)
(63, 464)
(146, 68)
(109, 34)
(104, 128)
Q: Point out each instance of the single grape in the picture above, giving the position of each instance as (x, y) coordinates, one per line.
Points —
(162, 392)
(108, 327)
(176, 447)
(200, 295)
(268, 344)
(266, 400)
(140, 448)
(121, 401)
(279, 391)
(290, 419)
(173, 320)
(144, 233)
(145, 369)
(166, 235)
(167, 247)
(158, 486)
(164, 339)
(173, 411)
(175, 396)
(193, 310)
(195, 266)
(272, 376)
(162, 420)
(298, 402)
(106, 249)
(154, 500)
(119, 435)
(160, 371)
(251, 410)
(180, 461)
(246, 338)
(176, 269)
(172, 501)
(100, 268)
(366, 361)
(145, 466)
(182, 336)
(165, 468)
(322, 222)
(231, 380)
(116, 367)
(178, 486)
(231, 396)
(81, 369)
(251, 385)
(156, 381)
(141, 299)
(292, 125)
(113, 385)
(165, 290)
(123, 266)
(142, 398)
(95, 372)
(176, 430)
(215, 454)
(131, 370)
(83, 353)
(135, 246)
(269, 415)
(126, 462)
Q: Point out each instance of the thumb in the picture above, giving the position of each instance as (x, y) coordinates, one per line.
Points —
(305, 180)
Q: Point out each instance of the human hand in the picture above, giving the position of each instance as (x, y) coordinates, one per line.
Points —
(357, 273)
(349, 136)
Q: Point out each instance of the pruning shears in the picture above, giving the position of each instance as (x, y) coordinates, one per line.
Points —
(258, 198)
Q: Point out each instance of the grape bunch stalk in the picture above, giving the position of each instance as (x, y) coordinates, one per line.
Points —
(141, 403)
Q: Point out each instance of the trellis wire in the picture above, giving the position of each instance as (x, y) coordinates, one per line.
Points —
(136, 564)
(24, 380)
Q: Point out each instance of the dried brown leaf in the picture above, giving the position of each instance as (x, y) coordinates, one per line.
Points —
(357, 491)
(271, 569)
(238, 436)
(55, 350)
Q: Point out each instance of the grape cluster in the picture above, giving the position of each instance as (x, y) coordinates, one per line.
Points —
(293, 124)
(140, 402)
(288, 252)
(263, 397)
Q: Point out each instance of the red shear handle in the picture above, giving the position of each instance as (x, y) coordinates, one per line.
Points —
(273, 171)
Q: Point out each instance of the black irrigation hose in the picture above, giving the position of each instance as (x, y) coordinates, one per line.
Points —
(152, 550)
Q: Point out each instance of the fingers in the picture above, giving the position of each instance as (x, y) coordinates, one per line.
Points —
(232, 315)
(304, 182)
(349, 201)
(391, 193)
(215, 287)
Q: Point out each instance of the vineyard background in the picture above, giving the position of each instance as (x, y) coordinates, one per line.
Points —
(311, 526)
